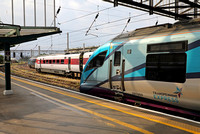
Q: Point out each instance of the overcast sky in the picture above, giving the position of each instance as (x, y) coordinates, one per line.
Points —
(75, 18)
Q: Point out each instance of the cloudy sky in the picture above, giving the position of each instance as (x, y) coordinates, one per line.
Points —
(75, 18)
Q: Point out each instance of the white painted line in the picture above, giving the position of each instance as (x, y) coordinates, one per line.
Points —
(144, 109)
(58, 104)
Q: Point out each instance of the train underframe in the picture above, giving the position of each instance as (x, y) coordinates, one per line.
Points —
(60, 72)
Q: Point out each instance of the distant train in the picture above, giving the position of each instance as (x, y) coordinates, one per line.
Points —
(159, 64)
(31, 62)
(69, 64)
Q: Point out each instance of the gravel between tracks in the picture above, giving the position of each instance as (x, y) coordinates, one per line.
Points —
(23, 70)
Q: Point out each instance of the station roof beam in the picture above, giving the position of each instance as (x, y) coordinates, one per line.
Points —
(15, 34)
(178, 9)
(11, 35)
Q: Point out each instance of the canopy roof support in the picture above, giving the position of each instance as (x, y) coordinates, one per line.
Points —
(11, 35)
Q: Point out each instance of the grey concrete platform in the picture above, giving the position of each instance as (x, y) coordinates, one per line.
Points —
(39, 109)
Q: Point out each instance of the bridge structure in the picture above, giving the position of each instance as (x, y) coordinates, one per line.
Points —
(12, 34)
(177, 9)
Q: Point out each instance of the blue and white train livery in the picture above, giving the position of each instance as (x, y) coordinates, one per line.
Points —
(159, 63)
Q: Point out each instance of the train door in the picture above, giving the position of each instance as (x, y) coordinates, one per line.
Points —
(116, 75)
(69, 64)
(40, 63)
(81, 62)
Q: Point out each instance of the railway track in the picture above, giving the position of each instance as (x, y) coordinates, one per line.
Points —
(23, 70)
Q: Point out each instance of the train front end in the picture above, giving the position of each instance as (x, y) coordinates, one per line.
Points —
(95, 73)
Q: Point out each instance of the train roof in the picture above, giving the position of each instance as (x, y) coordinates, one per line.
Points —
(163, 28)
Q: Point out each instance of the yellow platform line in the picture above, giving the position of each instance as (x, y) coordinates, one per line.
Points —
(161, 120)
(88, 111)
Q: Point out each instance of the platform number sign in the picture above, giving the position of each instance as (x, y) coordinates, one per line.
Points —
(7, 55)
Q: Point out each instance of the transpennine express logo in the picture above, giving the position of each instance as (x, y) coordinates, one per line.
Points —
(167, 96)
(178, 92)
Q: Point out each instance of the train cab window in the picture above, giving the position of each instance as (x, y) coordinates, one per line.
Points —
(117, 58)
(97, 61)
(168, 67)
(62, 61)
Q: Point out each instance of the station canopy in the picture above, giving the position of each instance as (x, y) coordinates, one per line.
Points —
(178, 9)
(14, 34)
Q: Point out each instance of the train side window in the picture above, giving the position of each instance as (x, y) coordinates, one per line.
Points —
(62, 61)
(97, 61)
(50, 62)
(179, 46)
(47, 61)
(170, 67)
(117, 58)
(57, 61)
(54, 61)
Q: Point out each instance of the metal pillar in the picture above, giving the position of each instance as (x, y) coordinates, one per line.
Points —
(54, 10)
(45, 15)
(67, 42)
(176, 9)
(31, 53)
(195, 9)
(24, 9)
(38, 50)
(12, 12)
(151, 5)
(83, 47)
(35, 12)
(8, 90)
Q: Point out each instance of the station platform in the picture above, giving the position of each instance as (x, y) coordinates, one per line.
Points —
(37, 108)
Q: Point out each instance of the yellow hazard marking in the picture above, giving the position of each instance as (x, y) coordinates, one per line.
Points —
(157, 119)
(88, 111)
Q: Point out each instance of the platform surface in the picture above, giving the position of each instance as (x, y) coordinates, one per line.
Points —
(35, 108)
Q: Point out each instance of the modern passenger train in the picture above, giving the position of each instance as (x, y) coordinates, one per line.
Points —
(69, 64)
(159, 64)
